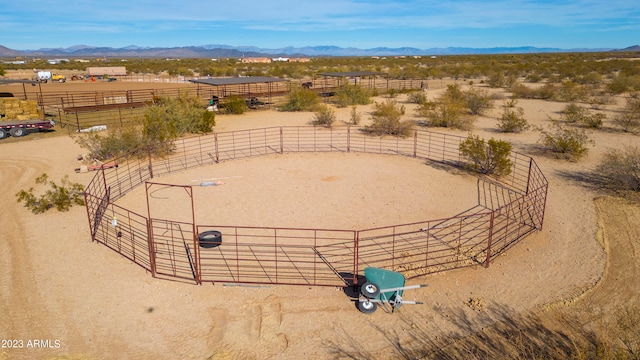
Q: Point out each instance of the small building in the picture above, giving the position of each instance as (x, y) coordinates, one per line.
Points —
(106, 70)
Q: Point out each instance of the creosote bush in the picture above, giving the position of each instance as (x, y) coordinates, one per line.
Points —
(512, 120)
(566, 143)
(629, 119)
(621, 168)
(417, 97)
(324, 116)
(301, 99)
(355, 116)
(452, 108)
(350, 94)
(386, 119)
(487, 157)
(62, 196)
(234, 104)
(163, 121)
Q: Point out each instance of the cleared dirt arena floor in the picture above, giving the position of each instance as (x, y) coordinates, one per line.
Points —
(58, 285)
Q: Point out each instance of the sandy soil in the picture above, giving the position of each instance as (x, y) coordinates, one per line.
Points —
(85, 301)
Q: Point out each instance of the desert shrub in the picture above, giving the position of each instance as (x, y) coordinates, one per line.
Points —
(571, 91)
(487, 157)
(594, 120)
(574, 113)
(417, 97)
(623, 83)
(355, 116)
(629, 119)
(496, 79)
(512, 120)
(545, 92)
(163, 121)
(62, 196)
(234, 104)
(386, 119)
(566, 143)
(114, 143)
(477, 100)
(349, 94)
(324, 116)
(621, 168)
(301, 99)
(445, 113)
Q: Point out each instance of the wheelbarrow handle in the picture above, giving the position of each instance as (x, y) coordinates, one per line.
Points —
(403, 288)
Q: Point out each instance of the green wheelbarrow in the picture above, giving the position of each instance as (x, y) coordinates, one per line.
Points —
(384, 287)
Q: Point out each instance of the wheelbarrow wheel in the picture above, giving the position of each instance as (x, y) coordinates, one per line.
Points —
(367, 306)
(370, 290)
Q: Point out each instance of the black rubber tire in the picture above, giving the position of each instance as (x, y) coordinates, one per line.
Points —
(3, 134)
(369, 290)
(367, 306)
(210, 239)
(18, 131)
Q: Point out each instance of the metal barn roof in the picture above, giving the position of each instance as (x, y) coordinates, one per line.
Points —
(238, 80)
(352, 73)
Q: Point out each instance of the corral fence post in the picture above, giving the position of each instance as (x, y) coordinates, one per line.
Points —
(150, 245)
(281, 141)
(150, 162)
(415, 143)
(215, 143)
(356, 256)
(348, 138)
(490, 239)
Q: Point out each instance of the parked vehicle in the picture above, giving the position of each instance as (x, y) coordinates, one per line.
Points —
(17, 128)
(44, 76)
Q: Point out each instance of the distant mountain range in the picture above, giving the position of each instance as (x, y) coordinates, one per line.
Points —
(226, 51)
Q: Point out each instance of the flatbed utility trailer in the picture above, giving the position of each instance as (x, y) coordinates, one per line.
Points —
(17, 128)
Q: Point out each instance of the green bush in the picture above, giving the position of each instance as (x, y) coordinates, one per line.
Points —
(445, 113)
(574, 113)
(114, 143)
(301, 99)
(234, 104)
(386, 119)
(417, 97)
(355, 116)
(62, 196)
(566, 143)
(512, 120)
(163, 121)
(621, 168)
(349, 95)
(324, 116)
(477, 101)
(487, 157)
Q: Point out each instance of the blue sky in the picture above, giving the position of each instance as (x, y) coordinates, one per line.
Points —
(30, 24)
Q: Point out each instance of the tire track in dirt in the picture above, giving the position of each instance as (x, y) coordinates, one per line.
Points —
(19, 292)
(26, 314)
(620, 284)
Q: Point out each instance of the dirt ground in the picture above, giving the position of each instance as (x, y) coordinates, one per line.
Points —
(74, 299)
